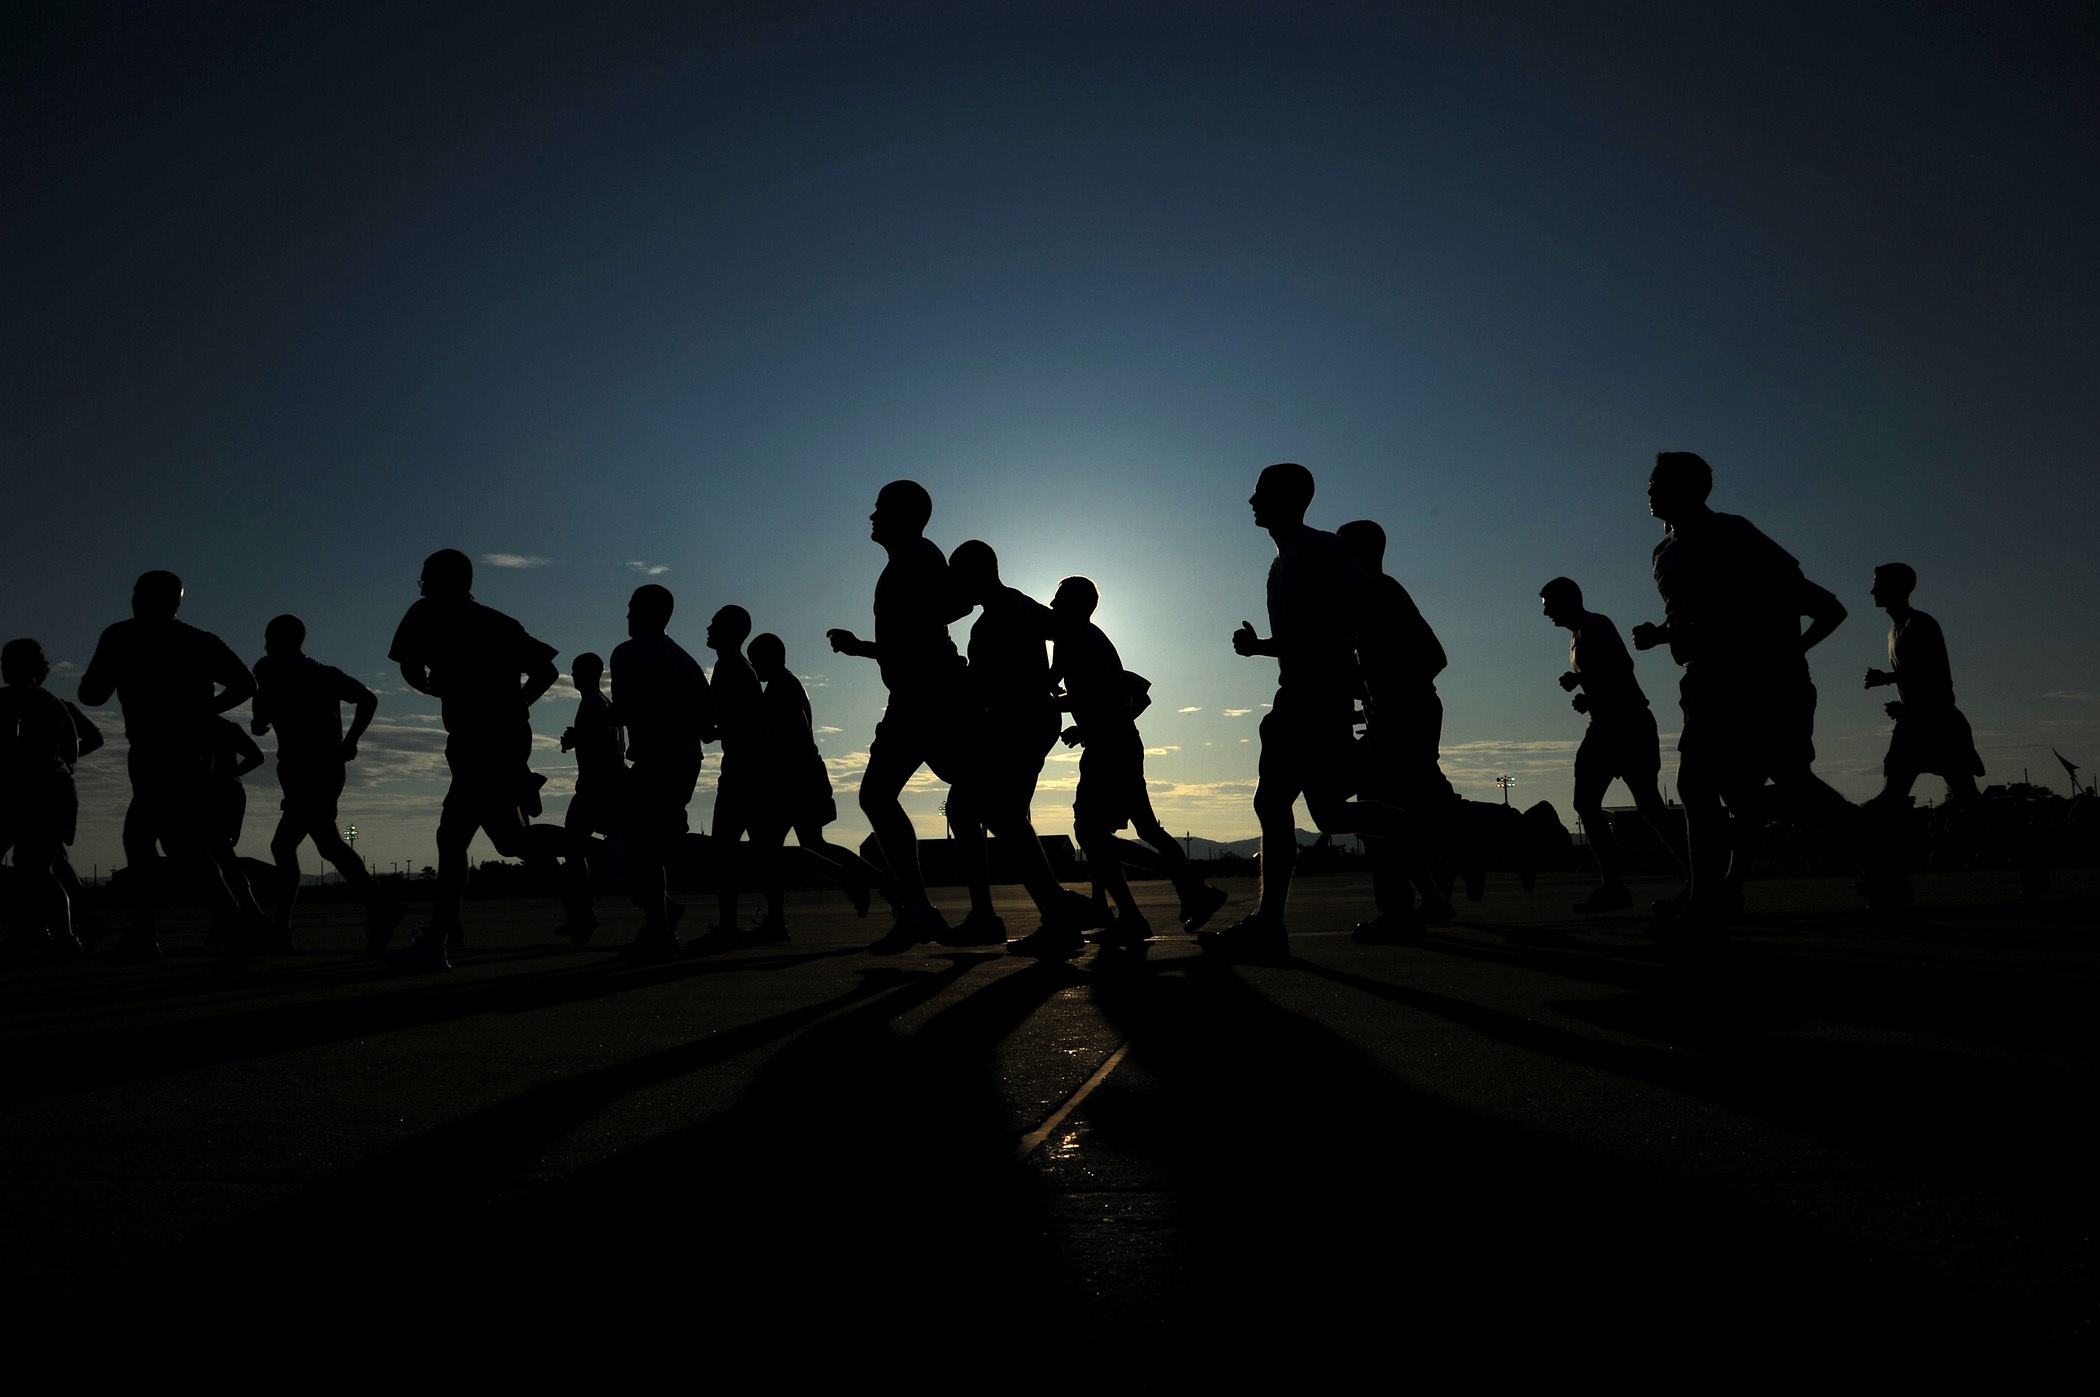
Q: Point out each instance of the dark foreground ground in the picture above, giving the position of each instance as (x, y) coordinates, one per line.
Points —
(1534, 1142)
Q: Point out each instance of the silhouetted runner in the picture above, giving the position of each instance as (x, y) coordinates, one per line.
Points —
(1733, 602)
(1105, 701)
(741, 803)
(795, 791)
(914, 601)
(38, 805)
(1931, 733)
(171, 680)
(1398, 659)
(1317, 593)
(1621, 742)
(1011, 724)
(599, 802)
(301, 700)
(661, 698)
(486, 672)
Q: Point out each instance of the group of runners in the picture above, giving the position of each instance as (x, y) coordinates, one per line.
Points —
(1351, 648)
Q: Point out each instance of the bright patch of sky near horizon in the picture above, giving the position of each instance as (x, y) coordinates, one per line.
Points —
(315, 292)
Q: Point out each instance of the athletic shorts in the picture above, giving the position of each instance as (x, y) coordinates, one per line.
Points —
(492, 776)
(1308, 742)
(312, 791)
(1111, 781)
(925, 729)
(1622, 746)
(1936, 742)
(1747, 730)
(657, 795)
(41, 810)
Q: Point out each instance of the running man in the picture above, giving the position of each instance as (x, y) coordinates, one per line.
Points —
(171, 679)
(486, 672)
(1317, 594)
(662, 700)
(595, 808)
(38, 805)
(1621, 742)
(1011, 724)
(1398, 659)
(302, 700)
(1105, 701)
(795, 790)
(915, 599)
(1931, 734)
(740, 800)
(1733, 602)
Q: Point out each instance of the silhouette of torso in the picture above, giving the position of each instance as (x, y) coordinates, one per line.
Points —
(1009, 673)
(739, 707)
(476, 657)
(1399, 654)
(661, 698)
(599, 751)
(914, 602)
(164, 673)
(1918, 656)
(1316, 598)
(1598, 653)
(1730, 596)
(1096, 689)
(37, 739)
(302, 699)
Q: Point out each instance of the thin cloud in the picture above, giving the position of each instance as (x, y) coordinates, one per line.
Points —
(830, 730)
(1189, 710)
(1240, 712)
(514, 560)
(2071, 694)
(648, 569)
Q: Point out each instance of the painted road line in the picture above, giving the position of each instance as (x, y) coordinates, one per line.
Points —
(1035, 1137)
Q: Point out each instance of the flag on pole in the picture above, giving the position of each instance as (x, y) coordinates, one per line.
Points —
(2070, 769)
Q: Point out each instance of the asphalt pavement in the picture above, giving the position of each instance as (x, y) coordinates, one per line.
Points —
(1533, 1142)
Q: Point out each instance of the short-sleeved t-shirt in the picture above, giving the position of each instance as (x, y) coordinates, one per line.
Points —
(1918, 656)
(1009, 669)
(1398, 652)
(1096, 688)
(1598, 653)
(301, 699)
(739, 704)
(661, 697)
(1731, 595)
(599, 751)
(1317, 592)
(37, 737)
(915, 599)
(165, 674)
(475, 655)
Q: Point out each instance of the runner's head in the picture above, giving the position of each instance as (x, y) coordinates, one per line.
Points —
(285, 635)
(974, 568)
(1282, 494)
(902, 508)
(729, 628)
(448, 573)
(156, 596)
(768, 655)
(586, 670)
(1076, 596)
(24, 662)
(1893, 584)
(1679, 484)
(1562, 601)
(649, 609)
(1366, 540)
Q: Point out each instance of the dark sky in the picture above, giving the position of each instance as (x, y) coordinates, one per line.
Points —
(301, 293)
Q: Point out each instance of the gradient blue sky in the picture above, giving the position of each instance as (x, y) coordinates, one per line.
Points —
(301, 293)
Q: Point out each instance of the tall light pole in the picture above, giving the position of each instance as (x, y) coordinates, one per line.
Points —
(1505, 782)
